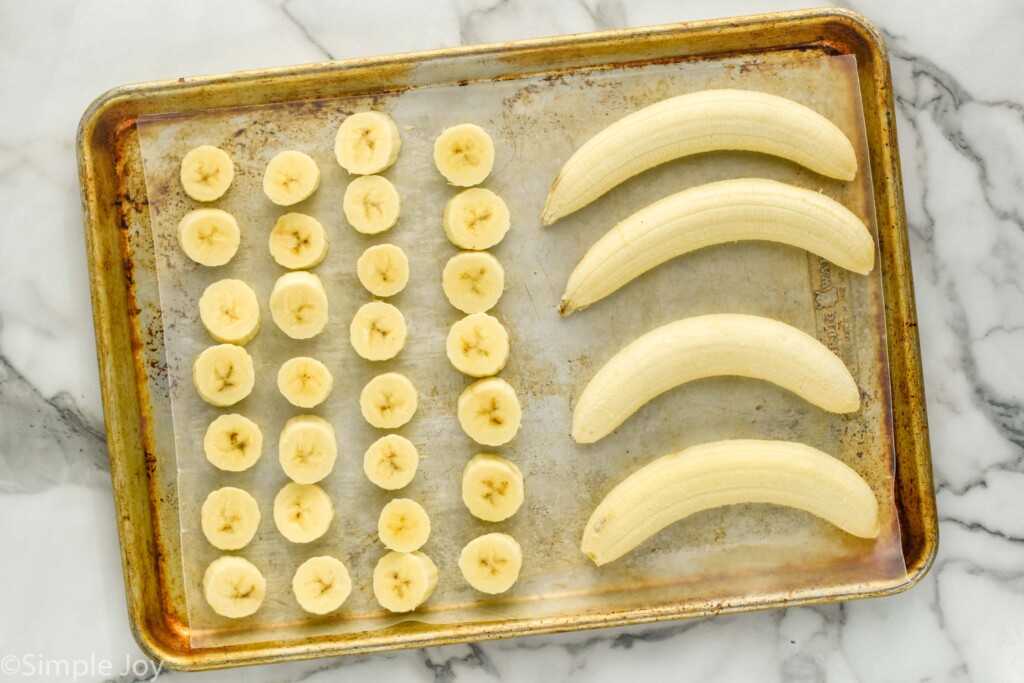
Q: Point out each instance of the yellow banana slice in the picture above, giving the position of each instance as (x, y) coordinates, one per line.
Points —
(210, 237)
(304, 381)
(321, 584)
(230, 312)
(367, 142)
(404, 581)
(491, 563)
(206, 173)
(234, 587)
(302, 512)
(298, 304)
(477, 345)
(489, 411)
(298, 241)
(378, 331)
(223, 374)
(290, 178)
(229, 518)
(492, 487)
(383, 269)
(473, 281)
(233, 443)
(372, 205)
(391, 461)
(388, 401)
(464, 154)
(403, 526)
(476, 219)
(307, 448)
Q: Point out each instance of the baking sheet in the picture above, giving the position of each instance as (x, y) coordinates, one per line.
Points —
(536, 123)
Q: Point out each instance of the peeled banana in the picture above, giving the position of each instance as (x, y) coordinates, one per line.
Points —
(304, 381)
(473, 281)
(321, 584)
(234, 587)
(307, 448)
(210, 237)
(404, 581)
(464, 154)
(378, 331)
(298, 241)
(298, 304)
(403, 526)
(229, 518)
(302, 512)
(489, 411)
(391, 461)
(291, 177)
(206, 173)
(223, 374)
(477, 345)
(230, 312)
(233, 443)
(383, 269)
(388, 401)
(491, 563)
(476, 219)
(372, 205)
(367, 142)
(492, 487)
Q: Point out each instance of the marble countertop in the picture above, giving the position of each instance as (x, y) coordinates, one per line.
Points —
(960, 105)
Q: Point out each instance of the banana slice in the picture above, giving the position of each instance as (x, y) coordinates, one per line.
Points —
(367, 142)
(383, 269)
(711, 475)
(321, 584)
(476, 219)
(290, 177)
(223, 374)
(491, 563)
(233, 443)
(210, 237)
(388, 401)
(478, 345)
(391, 461)
(229, 518)
(307, 448)
(473, 281)
(302, 512)
(403, 581)
(298, 241)
(378, 331)
(404, 525)
(305, 382)
(206, 173)
(711, 346)
(230, 312)
(298, 304)
(489, 411)
(234, 587)
(492, 487)
(372, 204)
(699, 122)
(464, 154)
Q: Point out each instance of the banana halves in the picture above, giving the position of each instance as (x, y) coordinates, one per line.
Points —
(699, 122)
(718, 213)
(710, 346)
(727, 473)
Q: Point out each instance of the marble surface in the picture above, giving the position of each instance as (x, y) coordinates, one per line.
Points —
(960, 99)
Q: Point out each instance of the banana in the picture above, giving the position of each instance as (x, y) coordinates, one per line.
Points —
(307, 448)
(321, 584)
(298, 241)
(492, 487)
(229, 518)
(476, 219)
(388, 401)
(712, 346)
(404, 525)
(727, 473)
(230, 312)
(302, 512)
(223, 374)
(206, 173)
(305, 382)
(464, 154)
(695, 123)
(477, 345)
(719, 213)
(378, 331)
(391, 461)
(367, 142)
(473, 281)
(234, 587)
(210, 237)
(489, 411)
(372, 205)
(491, 563)
(233, 443)
(298, 304)
(403, 581)
(383, 269)
(290, 178)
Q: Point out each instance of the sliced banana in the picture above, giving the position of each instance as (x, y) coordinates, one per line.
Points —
(234, 587)
(477, 345)
(372, 205)
(307, 448)
(464, 154)
(476, 219)
(304, 381)
(491, 563)
(492, 487)
(229, 518)
(367, 142)
(378, 331)
(489, 411)
(206, 173)
(223, 374)
(404, 581)
(298, 304)
(230, 312)
(298, 241)
(290, 177)
(388, 401)
(403, 526)
(233, 443)
(210, 237)
(303, 512)
(473, 281)
(383, 269)
(321, 584)
(391, 461)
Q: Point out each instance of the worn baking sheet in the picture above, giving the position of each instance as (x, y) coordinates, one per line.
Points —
(725, 555)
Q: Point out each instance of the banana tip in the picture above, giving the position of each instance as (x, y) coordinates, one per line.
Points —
(565, 307)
